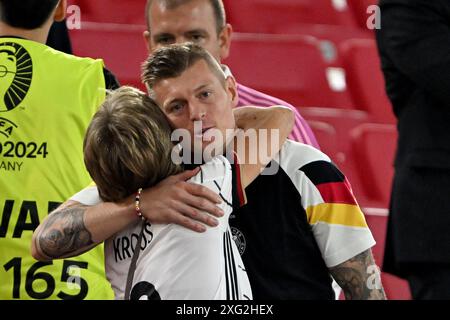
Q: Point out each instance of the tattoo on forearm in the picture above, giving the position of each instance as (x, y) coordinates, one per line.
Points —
(359, 278)
(64, 233)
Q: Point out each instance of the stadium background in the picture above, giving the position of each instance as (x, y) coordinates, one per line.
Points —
(318, 55)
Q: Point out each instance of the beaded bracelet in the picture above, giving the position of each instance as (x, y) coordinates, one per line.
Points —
(137, 204)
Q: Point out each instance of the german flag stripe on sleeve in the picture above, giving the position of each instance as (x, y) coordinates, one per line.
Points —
(337, 214)
(320, 172)
(336, 221)
(337, 192)
(332, 185)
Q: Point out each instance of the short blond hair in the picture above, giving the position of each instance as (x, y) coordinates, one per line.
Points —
(127, 145)
(173, 60)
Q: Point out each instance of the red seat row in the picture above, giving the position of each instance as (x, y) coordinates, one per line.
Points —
(269, 16)
(364, 151)
(295, 68)
(112, 11)
(289, 67)
(122, 48)
(262, 16)
(365, 79)
(373, 149)
(292, 67)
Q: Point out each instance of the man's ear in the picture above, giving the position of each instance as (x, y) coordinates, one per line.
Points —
(225, 41)
(60, 11)
(232, 90)
(147, 40)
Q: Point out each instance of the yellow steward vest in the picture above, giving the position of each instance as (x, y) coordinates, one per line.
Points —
(47, 99)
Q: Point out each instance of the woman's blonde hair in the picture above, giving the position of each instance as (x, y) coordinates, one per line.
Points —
(127, 145)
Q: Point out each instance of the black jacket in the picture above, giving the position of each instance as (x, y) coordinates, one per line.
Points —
(414, 44)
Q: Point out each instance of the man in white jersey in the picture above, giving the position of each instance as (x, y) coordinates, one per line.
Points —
(128, 146)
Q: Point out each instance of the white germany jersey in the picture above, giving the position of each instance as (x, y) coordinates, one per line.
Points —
(175, 263)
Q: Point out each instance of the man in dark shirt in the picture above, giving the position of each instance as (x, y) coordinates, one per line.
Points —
(415, 54)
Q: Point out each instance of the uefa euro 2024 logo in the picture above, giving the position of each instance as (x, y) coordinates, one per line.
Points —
(16, 73)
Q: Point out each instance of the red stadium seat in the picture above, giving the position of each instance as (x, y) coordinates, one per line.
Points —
(365, 79)
(377, 221)
(327, 33)
(112, 11)
(122, 48)
(343, 121)
(336, 34)
(374, 148)
(330, 37)
(267, 16)
(326, 136)
(288, 67)
(396, 288)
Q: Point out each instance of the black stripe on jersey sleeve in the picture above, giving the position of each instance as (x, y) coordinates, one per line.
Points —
(227, 280)
(234, 271)
(221, 195)
(225, 200)
(322, 172)
(230, 266)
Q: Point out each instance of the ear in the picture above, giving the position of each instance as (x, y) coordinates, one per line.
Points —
(232, 91)
(225, 41)
(60, 11)
(147, 40)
